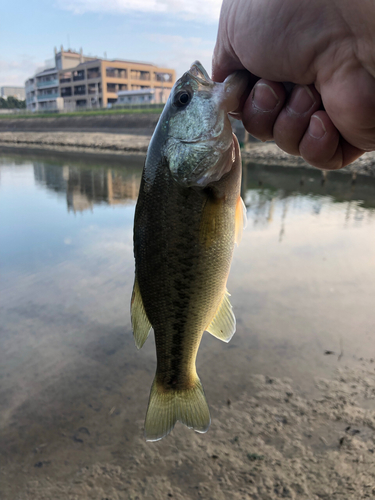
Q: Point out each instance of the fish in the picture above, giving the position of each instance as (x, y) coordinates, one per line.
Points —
(188, 217)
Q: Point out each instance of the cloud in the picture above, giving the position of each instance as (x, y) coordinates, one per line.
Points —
(179, 53)
(16, 72)
(204, 11)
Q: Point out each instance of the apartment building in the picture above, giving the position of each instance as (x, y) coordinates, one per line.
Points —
(97, 83)
(81, 82)
(43, 89)
(17, 92)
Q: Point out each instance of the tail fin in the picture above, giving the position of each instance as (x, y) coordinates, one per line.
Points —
(165, 408)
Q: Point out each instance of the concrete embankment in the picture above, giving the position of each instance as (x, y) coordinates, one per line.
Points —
(76, 142)
(99, 134)
(270, 154)
(120, 134)
(139, 123)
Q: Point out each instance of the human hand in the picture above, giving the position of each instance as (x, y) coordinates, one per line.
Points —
(328, 50)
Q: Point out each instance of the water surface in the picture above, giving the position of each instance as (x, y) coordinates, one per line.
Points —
(302, 285)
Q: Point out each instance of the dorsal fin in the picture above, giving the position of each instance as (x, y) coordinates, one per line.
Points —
(241, 220)
(223, 325)
(140, 322)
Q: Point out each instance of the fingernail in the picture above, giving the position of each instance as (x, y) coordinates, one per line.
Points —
(316, 127)
(264, 97)
(301, 100)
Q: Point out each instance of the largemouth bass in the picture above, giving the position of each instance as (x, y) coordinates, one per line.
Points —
(188, 217)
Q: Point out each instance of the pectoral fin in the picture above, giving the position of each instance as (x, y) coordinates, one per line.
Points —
(223, 325)
(241, 220)
(140, 322)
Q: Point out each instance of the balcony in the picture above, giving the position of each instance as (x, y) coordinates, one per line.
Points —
(116, 73)
(66, 92)
(163, 77)
(112, 87)
(78, 75)
(93, 73)
(48, 97)
(94, 89)
(80, 90)
(48, 83)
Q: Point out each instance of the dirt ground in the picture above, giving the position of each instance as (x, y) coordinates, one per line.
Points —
(271, 443)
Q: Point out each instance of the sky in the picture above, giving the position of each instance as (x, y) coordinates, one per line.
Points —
(169, 33)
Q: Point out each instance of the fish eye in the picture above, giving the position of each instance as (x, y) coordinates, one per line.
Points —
(182, 99)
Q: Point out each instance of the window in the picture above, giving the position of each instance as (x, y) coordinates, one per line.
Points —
(66, 92)
(93, 73)
(111, 72)
(80, 90)
(163, 77)
(94, 88)
(65, 77)
(111, 87)
(78, 75)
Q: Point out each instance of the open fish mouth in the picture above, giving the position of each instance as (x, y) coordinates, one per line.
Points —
(199, 74)
(231, 90)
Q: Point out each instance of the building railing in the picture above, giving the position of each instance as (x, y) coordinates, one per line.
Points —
(47, 97)
(49, 83)
(88, 108)
(93, 74)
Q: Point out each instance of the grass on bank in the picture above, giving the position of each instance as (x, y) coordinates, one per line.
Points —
(96, 112)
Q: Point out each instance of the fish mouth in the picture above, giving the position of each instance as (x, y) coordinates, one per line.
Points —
(199, 74)
(230, 91)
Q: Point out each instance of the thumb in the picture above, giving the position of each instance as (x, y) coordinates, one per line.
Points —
(349, 100)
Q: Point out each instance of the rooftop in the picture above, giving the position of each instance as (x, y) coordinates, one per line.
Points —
(46, 71)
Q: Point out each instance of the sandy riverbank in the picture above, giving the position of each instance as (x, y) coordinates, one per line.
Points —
(270, 443)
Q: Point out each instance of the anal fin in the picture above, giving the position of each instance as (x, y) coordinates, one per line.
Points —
(223, 325)
(140, 322)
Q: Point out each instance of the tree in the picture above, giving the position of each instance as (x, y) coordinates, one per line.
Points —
(12, 103)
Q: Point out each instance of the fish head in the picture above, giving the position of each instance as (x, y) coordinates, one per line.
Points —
(198, 135)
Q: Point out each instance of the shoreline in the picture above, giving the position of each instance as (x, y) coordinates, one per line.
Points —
(84, 142)
(135, 142)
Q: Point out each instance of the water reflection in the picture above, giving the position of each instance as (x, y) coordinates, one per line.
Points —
(301, 283)
(269, 190)
(86, 186)
(263, 188)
